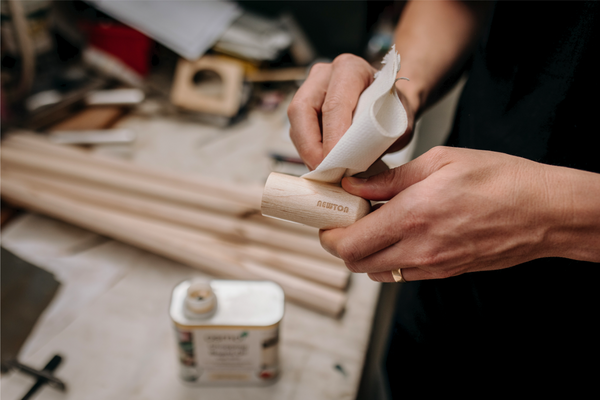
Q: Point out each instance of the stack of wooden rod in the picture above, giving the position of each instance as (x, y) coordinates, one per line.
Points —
(206, 224)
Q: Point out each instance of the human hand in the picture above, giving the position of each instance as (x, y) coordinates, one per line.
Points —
(452, 211)
(322, 109)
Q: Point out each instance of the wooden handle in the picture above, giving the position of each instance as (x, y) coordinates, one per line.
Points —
(318, 204)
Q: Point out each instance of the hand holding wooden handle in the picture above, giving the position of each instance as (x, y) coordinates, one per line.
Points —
(318, 204)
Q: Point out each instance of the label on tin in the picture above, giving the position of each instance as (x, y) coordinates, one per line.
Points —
(229, 355)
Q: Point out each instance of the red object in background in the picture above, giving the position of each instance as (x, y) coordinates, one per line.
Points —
(127, 44)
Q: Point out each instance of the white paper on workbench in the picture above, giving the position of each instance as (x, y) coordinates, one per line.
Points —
(379, 120)
(189, 28)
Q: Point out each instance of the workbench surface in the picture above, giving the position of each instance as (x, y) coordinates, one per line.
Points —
(110, 318)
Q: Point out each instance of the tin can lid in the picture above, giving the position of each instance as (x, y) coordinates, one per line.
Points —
(238, 303)
(200, 299)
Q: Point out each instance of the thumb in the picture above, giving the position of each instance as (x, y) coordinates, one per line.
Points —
(387, 184)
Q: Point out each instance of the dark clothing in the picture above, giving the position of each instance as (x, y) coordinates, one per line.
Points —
(533, 91)
(533, 87)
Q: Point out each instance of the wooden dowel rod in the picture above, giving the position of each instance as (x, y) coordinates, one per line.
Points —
(296, 264)
(324, 269)
(237, 229)
(246, 194)
(299, 290)
(165, 242)
(99, 175)
(248, 254)
(249, 195)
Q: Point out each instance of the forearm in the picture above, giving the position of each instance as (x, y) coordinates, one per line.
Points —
(435, 39)
(574, 199)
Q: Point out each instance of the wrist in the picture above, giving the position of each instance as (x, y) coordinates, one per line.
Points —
(574, 231)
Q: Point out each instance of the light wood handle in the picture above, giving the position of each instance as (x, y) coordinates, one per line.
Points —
(318, 204)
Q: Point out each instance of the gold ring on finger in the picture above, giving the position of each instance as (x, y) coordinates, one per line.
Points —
(397, 274)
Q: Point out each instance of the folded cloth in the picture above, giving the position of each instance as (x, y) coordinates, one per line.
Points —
(379, 119)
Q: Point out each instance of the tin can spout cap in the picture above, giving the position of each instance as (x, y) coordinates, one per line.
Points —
(200, 301)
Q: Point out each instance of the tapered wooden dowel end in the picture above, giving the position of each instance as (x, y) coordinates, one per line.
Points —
(318, 204)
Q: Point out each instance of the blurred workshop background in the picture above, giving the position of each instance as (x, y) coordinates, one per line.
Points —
(136, 139)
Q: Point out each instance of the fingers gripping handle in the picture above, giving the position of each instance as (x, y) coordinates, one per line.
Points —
(312, 203)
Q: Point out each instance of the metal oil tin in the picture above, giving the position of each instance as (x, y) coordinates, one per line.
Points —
(227, 331)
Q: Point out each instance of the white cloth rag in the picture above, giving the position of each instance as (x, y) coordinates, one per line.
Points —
(379, 119)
